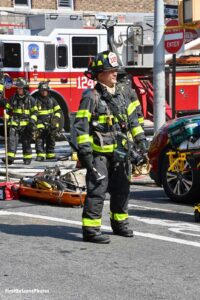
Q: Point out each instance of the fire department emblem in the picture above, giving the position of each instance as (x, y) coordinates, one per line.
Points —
(33, 51)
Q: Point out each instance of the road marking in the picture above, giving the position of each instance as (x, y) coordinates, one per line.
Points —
(174, 226)
(71, 222)
(159, 209)
(107, 202)
(167, 239)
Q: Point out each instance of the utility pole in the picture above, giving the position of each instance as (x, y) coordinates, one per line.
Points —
(159, 66)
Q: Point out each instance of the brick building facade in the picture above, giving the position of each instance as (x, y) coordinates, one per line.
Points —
(91, 5)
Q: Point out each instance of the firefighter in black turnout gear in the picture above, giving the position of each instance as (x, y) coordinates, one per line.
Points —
(125, 84)
(49, 114)
(105, 118)
(22, 117)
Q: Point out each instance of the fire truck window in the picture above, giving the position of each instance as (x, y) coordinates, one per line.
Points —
(83, 48)
(62, 60)
(12, 55)
(49, 57)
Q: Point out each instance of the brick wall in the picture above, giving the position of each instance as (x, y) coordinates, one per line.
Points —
(117, 6)
(6, 3)
(95, 5)
(47, 4)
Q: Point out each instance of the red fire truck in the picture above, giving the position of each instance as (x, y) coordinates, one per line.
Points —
(61, 58)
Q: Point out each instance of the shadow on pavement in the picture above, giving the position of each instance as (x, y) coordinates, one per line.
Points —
(155, 196)
(53, 231)
(172, 216)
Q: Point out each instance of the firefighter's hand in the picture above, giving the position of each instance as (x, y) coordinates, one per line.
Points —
(30, 128)
(86, 160)
(55, 122)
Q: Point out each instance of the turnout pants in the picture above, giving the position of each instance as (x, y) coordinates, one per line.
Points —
(45, 137)
(116, 183)
(13, 141)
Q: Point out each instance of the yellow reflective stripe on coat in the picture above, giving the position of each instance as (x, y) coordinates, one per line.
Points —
(57, 107)
(34, 118)
(136, 102)
(23, 123)
(1, 87)
(137, 130)
(57, 115)
(13, 123)
(131, 108)
(83, 113)
(104, 149)
(91, 222)
(118, 217)
(103, 119)
(8, 105)
(21, 111)
(45, 112)
(34, 108)
(141, 120)
(85, 138)
(40, 126)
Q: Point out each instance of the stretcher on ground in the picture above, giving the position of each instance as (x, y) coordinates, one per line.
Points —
(52, 187)
(51, 196)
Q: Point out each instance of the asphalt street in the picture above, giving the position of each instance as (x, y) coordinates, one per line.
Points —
(43, 255)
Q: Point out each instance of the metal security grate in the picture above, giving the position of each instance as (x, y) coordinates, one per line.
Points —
(64, 3)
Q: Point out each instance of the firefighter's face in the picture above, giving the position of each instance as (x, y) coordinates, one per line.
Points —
(44, 93)
(108, 78)
(20, 91)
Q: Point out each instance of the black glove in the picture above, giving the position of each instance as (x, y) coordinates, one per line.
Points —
(55, 122)
(143, 146)
(30, 127)
(86, 160)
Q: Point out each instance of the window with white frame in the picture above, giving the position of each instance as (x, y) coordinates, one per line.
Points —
(22, 3)
(63, 4)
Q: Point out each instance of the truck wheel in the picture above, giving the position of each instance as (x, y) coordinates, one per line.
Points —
(183, 186)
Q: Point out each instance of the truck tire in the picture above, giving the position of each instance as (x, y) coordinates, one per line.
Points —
(182, 187)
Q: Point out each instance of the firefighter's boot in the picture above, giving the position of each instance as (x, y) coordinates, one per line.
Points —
(121, 228)
(95, 236)
(39, 158)
(10, 160)
(27, 161)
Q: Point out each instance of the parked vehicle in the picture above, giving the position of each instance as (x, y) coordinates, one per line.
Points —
(179, 177)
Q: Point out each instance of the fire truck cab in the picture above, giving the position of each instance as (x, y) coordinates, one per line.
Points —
(61, 57)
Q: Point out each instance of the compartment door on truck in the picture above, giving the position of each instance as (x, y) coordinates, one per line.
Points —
(34, 62)
(57, 68)
(187, 92)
